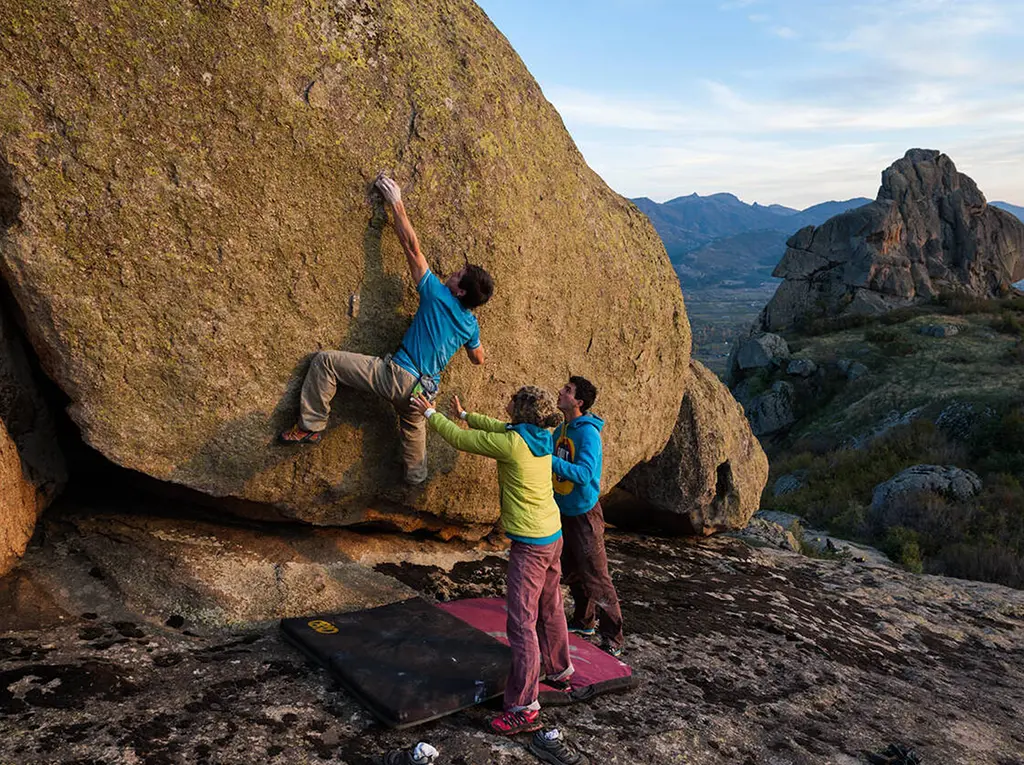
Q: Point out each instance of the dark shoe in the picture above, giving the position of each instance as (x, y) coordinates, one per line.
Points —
(563, 684)
(421, 754)
(579, 629)
(551, 747)
(297, 435)
(511, 723)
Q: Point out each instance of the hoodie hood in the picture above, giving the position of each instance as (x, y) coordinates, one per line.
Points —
(586, 419)
(537, 438)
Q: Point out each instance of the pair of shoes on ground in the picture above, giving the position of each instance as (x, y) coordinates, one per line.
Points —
(548, 745)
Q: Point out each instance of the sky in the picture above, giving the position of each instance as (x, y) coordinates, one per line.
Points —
(792, 102)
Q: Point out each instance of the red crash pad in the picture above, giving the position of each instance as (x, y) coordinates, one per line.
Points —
(596, 671)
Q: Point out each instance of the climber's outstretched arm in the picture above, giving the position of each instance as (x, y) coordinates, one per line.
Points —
(403, 228)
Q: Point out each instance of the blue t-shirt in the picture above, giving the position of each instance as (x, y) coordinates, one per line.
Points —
(440, 327)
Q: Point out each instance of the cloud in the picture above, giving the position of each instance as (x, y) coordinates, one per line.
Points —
(856, 85)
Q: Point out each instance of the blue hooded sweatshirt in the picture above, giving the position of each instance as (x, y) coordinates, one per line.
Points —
(576, 464)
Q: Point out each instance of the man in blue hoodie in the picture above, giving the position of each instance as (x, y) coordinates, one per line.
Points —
(576, 475)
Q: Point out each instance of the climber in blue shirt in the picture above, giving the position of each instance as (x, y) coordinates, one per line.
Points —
(443, 323)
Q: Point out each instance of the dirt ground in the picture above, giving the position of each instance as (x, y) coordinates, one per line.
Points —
(747, 657)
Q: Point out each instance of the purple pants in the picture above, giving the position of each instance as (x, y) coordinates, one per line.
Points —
(537, 632)
(585, 564)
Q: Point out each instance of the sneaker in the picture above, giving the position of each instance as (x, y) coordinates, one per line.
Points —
(550, 746)
(511, 723)
(579, 629)
(421, 754)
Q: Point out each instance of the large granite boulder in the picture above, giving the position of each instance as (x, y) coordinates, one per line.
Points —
(32, 470)
(193, 217)
(929, 231)
(713, 470)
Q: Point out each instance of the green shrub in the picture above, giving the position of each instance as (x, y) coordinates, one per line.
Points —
(1015, 355)
(901, 544)
(1009, 324)
(881, 336)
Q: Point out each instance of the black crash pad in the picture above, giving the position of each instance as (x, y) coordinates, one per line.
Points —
(408, 662)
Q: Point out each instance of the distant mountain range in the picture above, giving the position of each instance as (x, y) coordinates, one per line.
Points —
(1014, 209)
(721, 241)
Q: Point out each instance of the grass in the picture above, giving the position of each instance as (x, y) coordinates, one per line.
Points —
(981, 371)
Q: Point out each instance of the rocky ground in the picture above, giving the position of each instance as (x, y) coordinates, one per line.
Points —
(748, 656)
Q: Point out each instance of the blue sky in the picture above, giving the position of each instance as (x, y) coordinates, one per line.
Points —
(788, 101)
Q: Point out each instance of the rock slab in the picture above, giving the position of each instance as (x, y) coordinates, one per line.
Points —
(188, 216)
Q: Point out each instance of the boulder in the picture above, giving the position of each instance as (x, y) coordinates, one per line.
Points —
(788, 483)
(713, 470)
(929, 231)
(189, 217)
(801, 367)
(939, 330)
(32, 470)
(949, 481)
(756, 352)
(772, 411)
(19, 506)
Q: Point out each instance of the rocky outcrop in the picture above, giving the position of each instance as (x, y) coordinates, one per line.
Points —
(713, 470)
(759, 351)
(772, 410)
(949, 481)
(188, 218)
(32, 470)
(929, 231)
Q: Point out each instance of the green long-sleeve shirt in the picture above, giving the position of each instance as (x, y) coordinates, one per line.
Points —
(528, 509)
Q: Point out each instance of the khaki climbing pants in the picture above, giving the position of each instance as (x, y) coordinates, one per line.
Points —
(329, 369)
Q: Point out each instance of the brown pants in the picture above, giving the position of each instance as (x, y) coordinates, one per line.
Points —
(536, 629)
(329, 369)
(585, 570)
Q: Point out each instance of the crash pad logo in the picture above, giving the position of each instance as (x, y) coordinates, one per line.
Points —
(324, 628)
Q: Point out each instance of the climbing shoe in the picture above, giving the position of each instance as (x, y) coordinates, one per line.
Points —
(551, 746)
(522, 721)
